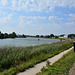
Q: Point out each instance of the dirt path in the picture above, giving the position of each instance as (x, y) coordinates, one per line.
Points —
(37, 68)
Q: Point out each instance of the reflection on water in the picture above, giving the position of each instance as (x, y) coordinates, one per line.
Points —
(25, 41)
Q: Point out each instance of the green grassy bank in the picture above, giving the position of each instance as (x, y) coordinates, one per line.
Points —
(61, 67)
(18, 59)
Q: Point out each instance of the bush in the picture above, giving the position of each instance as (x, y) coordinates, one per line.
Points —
(48, 64)
(44, 69)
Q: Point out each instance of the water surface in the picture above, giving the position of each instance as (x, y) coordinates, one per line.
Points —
(25, 41)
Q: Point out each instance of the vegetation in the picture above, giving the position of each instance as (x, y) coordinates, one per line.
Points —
(50, 36)
(12, 35)
(37, 35)
(61, 67)
(62, 35)
(71, 36)
(17, 59)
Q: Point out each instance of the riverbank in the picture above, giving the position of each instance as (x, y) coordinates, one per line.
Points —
(61, 67)
(37, 68)
(18, 59)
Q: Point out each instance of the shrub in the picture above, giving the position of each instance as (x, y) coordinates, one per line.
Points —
(48, 64)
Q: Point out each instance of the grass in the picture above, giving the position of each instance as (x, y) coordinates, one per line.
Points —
(61, 67)
(18, 59)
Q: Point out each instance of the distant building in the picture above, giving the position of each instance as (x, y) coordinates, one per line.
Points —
(65, 36)
(71, 36)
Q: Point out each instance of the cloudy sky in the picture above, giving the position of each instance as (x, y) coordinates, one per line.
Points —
(37, 16)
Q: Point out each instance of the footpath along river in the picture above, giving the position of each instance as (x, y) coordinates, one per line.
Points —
(37, 68)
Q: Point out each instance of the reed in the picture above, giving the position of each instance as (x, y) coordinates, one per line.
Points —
(17, 59)
(61, 67)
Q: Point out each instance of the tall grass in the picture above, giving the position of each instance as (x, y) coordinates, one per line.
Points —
(16, 59)
(61, 67)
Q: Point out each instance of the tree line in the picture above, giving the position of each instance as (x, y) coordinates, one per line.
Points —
(6, 35)
(48, 36)
(14, 35)
(71, 36)
(11, 35)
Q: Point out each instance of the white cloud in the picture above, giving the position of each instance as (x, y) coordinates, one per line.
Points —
(37, 5)
(5, 19)
(13, 5)
(33, 17)
(55, 19)
(28, 22)
(51, 8)
(4, 2)
(2, 13)
(51, 17)
(70, 24)
(23, 22)
(71, 17)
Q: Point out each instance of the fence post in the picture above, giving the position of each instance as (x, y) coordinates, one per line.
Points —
(74, 46)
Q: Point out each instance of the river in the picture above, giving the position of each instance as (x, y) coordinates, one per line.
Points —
(29, 41)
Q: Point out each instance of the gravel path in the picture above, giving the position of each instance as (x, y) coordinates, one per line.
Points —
(37, 68)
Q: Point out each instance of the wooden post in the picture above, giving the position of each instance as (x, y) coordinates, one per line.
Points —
(74, 46)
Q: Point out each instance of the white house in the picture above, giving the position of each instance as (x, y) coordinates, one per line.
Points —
(65, 36)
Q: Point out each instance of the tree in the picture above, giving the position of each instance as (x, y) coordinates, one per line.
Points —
(10, 36)
(42, 36)
(62, 35)
(51, 35)
(71, 36)
(24, 36)
(13, 35)
(5, 35)
(56, 36)
(37, 35)
(47, 36)
(0, 34)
